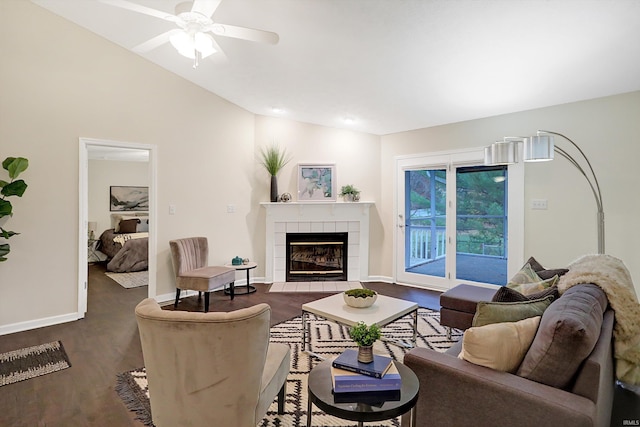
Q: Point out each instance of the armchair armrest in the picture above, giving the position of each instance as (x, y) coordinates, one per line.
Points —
(456, 392)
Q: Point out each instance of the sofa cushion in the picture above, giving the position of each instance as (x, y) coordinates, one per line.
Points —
(505, 294)
(525, 275)
(534, 287)
(497, 312)
(567, 334)
(543, 272)
(499, 346)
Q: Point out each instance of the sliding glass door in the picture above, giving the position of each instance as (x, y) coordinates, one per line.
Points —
(452, 221)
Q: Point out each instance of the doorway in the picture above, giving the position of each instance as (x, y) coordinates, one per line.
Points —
(89, 148)
(457, 220)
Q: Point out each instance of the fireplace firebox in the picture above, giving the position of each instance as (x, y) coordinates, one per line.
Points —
(316, 257)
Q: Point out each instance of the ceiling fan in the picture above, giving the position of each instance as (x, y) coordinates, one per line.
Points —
(193, 37)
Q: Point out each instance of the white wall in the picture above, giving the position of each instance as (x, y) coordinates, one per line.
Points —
(607, 130)
(102, 175)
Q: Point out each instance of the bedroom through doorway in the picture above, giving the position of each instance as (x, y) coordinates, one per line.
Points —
(117, 216)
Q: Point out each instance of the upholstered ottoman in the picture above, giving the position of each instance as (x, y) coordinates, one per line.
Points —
(458, 305)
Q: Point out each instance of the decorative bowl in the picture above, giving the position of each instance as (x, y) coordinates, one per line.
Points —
(359, 302)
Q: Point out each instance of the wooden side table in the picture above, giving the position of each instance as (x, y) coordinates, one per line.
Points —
(243, 290)
(321, 394)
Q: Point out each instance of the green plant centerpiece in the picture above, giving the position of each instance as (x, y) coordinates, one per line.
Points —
(365, 336)
(14, 187)
(350, 193)
(360, 298)
(274, 158)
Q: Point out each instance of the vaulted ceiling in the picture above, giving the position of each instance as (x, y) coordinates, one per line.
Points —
(385, 66)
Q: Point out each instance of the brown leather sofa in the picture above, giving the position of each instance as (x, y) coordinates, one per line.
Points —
(454, 392)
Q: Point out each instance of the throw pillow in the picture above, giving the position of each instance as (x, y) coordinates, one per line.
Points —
(497, 312)
(128, 225)
(525, 275)
(567, 334)
(543, 272)
(500, 346)
(505, 294)
(534, 287)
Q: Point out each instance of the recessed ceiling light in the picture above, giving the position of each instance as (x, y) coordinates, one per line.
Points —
(349, 120)
(277, 110)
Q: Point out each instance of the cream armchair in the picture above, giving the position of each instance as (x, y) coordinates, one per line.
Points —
(211, 369)
(189, 257)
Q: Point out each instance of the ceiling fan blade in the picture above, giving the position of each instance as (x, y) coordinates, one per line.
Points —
(124, 4)
(155, 42)
(244, 33)
(205, 7)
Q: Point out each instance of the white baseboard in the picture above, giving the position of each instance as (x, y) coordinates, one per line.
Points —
(38, 323)
(384, 279)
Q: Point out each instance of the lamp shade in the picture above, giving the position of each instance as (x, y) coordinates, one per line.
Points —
(538, 148)
(503, 153)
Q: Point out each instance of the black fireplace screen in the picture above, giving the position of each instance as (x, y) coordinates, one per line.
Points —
(316, 256)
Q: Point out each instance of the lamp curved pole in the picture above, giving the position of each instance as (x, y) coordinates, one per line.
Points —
(594, 188)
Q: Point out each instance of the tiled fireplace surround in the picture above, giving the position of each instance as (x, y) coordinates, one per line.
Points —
(317, 217)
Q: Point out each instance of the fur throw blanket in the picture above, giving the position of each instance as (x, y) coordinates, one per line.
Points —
(612, 276)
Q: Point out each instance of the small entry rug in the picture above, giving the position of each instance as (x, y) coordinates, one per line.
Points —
(130, 280)
(328, 339)
(31, 362)
(328, 286)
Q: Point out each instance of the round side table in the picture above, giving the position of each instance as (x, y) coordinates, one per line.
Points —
(321, 394)
(242, 290)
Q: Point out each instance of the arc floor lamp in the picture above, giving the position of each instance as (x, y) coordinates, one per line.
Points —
(539, 148)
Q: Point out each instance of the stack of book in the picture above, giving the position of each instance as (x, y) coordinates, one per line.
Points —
(374, 382)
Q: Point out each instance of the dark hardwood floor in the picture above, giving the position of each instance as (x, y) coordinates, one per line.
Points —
(106, 343)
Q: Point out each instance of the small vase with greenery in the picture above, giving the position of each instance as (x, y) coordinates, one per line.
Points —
(15, 187)
(350, 193)
(365, 336)
(273, 158)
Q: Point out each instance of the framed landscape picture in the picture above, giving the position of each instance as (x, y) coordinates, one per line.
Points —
(316, 182)
(131, 199)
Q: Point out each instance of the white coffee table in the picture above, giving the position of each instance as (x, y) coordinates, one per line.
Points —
(384, 311)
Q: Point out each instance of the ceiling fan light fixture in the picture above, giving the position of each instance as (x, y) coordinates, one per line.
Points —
(183, 43)
(187, 44)
(204, 44)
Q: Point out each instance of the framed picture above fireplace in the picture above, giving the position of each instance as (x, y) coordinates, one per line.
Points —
(317, 182)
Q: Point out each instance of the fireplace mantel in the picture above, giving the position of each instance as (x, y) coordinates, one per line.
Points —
(317, 217)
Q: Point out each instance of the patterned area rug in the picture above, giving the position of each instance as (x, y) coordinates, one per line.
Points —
(130, 280)
(31, 362)
(314, 286)
(327, 339)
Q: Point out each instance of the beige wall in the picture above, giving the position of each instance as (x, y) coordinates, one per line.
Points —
(60, 83)
(102, 175)
(607, 130)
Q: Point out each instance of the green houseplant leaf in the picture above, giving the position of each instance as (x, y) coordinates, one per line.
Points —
(15, 187)
(15, 166)
(273, 158)
(364, 335)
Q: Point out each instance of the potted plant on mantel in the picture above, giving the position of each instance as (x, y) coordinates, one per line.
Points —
(365, 336)
(350, 193)
(273, 158)
(15, 187)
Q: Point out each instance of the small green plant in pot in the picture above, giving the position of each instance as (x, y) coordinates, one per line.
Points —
(15, 187)
(365, 336)
(350, 193)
